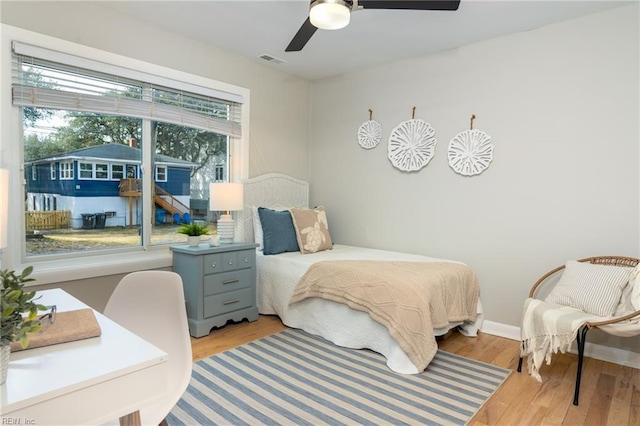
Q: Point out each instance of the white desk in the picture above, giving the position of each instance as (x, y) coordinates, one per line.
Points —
(91, 381)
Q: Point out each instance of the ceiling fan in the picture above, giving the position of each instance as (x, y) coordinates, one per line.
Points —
(335, 14)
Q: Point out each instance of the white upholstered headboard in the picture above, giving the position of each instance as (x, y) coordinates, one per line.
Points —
(274, 191)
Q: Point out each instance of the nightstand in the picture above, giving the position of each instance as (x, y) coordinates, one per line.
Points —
(219, 284)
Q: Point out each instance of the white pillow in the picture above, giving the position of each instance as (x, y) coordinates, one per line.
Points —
(258, 235)
(592, 288)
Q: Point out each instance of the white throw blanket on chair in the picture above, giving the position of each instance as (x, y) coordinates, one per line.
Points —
(548, 328)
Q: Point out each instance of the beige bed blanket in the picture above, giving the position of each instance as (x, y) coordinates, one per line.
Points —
(409, 298)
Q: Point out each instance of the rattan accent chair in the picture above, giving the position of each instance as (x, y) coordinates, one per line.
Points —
(609, 326)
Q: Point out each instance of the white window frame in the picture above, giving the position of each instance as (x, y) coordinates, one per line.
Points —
(66, 170)
(111, 171)
(219, 172)
(82, 170)
(52, 167)
(158, 174)
(96, 168)
(94, 264)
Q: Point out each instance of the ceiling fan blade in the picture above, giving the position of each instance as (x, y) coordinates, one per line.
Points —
(302, 37)
(410, 4)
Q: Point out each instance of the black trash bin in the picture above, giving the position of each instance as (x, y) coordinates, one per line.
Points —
(101, 218)
(88, 220)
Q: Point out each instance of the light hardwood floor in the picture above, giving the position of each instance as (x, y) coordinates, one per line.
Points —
(609, 395)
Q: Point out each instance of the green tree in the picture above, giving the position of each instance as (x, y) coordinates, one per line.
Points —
(196, 146)
(36, 147)
(89, 129)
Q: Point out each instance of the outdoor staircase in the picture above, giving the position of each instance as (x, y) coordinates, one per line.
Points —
(131, 188)
(168, 202)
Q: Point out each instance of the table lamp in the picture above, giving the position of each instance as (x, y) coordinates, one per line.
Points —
(226, 197)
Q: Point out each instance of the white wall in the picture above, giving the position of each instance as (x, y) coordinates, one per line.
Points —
(561, 105)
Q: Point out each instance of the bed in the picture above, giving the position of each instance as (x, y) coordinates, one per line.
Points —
(278, 275)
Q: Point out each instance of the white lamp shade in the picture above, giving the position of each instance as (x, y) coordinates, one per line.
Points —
(225, 196)
(329, 14)
(4, 206)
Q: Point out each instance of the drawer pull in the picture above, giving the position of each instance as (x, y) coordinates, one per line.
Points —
(213, 265)
(246, 260)
(230, 281)
(230, 302)
(231, 262)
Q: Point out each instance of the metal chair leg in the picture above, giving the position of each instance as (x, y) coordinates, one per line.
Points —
(581, 338)
(520, 360)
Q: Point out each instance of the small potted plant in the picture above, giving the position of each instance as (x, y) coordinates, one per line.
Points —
(16, 303)
(194, 231)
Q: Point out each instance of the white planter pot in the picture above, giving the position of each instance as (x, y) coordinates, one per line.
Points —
(193, 241)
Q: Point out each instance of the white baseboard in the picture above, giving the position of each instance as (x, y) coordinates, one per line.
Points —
(502, 330)
(592, 350)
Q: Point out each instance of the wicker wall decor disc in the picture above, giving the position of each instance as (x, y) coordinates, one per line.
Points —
(369, 134)
(470, 152)
(411, 145)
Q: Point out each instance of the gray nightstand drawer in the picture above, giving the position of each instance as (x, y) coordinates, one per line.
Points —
(227, 302)
(227, 281)
(230, 261)
(213, 263)
(238, 260)
(247, 258)
(221, 262)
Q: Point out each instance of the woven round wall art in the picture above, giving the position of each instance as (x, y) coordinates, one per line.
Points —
(411, 145)
(369, 133)
(470, 152)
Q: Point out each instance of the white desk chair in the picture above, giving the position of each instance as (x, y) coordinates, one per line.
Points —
(151, 304)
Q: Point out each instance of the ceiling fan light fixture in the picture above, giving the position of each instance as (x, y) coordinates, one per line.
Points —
(329, 14)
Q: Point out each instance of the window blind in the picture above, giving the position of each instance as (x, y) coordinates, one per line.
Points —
(49, 79)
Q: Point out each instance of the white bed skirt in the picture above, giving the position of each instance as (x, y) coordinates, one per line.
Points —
(279, 274)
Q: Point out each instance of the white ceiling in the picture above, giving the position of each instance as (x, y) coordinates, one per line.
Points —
(254, 28)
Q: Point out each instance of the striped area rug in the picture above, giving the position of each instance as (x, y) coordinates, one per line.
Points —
(294, 378)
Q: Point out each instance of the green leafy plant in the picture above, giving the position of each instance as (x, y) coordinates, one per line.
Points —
(193, 229)
(15, 304)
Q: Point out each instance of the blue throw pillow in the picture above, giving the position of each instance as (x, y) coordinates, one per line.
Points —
(278, 230)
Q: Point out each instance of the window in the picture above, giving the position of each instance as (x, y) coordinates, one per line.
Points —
(102, 171)
(117, 171)
(219, 173)
(132, 172)
(53, 171)
(187, 123)
(66, 170)
(94, 171)
(85, 170)
(34, 172)
(161, 174)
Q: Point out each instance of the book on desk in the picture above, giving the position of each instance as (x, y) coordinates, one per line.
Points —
(68, 326)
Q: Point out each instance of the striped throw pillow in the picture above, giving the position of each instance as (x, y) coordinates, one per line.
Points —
(595, 289)
(635, 288)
